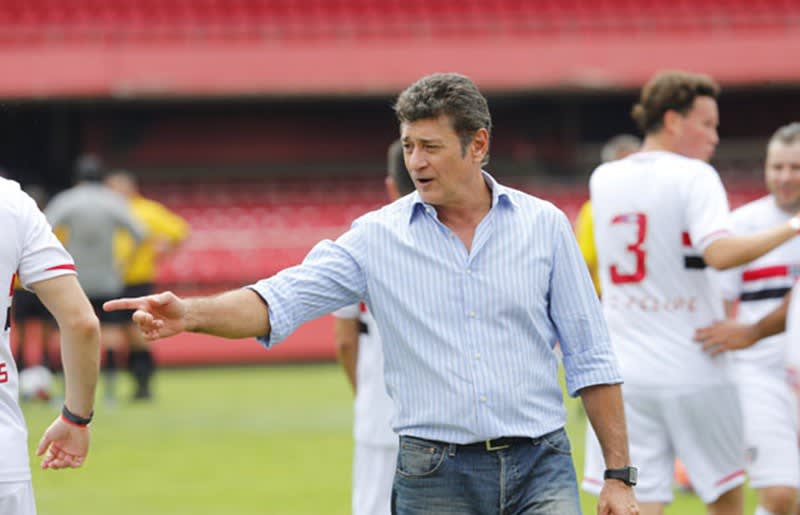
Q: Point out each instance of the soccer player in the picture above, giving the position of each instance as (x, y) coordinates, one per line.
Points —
(165, 232)
(360, 351)
(471, 283)
(661, 216)
(618, 147)
(751, 291)
(31, 251)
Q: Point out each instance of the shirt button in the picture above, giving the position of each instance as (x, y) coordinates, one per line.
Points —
(471, 314)
(469, 271)
(478, 356)
(483, 398)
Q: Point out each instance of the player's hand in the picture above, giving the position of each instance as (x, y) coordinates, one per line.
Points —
(725, 336)
(616, 498)
(158, 316)
(63, 445)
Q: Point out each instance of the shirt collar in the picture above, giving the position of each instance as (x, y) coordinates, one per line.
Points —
(500, 197)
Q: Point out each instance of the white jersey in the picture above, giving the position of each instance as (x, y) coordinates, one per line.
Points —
(793, 329)
(32, 252)
(373, 410)
(654, 214)
(761, 285)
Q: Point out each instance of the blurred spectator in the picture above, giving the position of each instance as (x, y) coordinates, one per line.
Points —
(27, 310)
(360, 351)
(89, 213)
(618, 147)
(165, 231)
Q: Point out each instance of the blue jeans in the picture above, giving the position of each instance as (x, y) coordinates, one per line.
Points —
(534, 477)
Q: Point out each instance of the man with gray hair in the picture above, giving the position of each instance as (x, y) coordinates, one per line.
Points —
(751, 291)
(90, 213)
(472, 284)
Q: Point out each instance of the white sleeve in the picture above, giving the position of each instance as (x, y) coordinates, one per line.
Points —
(42, 255)
(350, 312)
(707, 212)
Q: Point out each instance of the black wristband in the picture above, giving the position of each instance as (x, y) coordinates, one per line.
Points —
(75, 419)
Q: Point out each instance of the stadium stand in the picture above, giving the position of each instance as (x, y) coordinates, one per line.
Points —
(180, 47)
(151, 21)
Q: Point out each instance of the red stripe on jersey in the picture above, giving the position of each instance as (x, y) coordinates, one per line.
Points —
(592, 480)
(362, 307)
(11, 288)
(754, 274)
(62, 267)
(729, 477)
(687, 240)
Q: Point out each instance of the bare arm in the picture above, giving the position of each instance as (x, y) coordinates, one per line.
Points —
(67, 445)
(737, 250)
(238, 313)
(603, 404)
(731, 335)
(347, 332)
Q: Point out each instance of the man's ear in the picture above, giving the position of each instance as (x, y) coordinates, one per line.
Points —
(673, 121)
(479, 147)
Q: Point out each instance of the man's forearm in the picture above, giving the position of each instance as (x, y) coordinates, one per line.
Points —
(604, 408)
(80, 350)
(775, 321)
(234, 314)
(737, 250)
(346, 332)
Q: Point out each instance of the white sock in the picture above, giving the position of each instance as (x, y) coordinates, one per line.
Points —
(762, 511)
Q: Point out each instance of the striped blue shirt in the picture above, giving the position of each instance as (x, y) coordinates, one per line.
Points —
(468, 337)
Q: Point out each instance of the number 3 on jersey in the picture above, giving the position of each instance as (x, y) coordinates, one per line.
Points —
(640, 221)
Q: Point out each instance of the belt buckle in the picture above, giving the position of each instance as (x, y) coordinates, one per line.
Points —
(490, 447)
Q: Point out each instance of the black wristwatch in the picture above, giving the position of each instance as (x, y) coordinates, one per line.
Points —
(627, 475)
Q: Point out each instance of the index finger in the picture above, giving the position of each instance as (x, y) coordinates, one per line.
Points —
(129, 303)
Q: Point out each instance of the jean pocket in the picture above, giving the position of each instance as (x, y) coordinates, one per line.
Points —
(419, 458)
(558, 442)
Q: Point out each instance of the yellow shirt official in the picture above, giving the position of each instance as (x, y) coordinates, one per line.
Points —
(161, 225)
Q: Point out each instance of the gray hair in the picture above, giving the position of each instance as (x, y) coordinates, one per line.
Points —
(788, 134)
(450, 94)
(620, 146)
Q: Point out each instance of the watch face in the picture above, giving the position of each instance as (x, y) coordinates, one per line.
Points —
(633, 475)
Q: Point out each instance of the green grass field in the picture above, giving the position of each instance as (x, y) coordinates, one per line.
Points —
(251, 440)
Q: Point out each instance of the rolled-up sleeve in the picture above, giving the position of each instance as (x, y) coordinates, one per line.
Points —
(328, 279)
(576, 313)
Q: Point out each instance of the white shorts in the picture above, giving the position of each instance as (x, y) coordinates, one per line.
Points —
(16, 497)
(701, 425)
(770, 429)
(373, 473)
